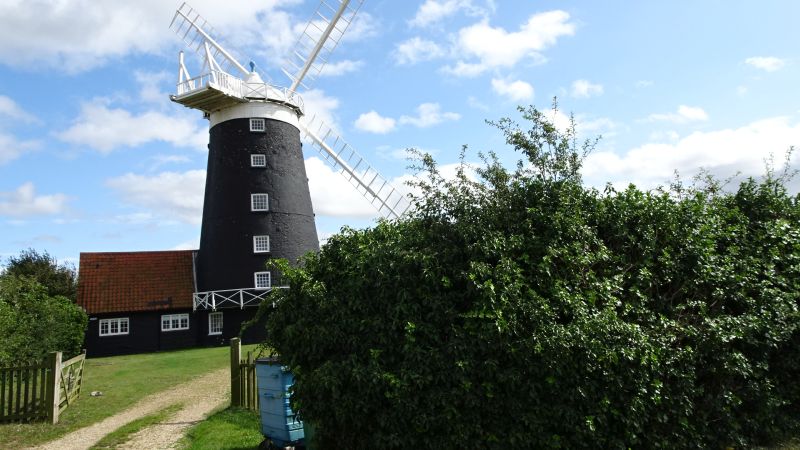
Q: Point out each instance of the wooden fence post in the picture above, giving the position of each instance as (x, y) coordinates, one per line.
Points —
(53, 398)
(236, 388)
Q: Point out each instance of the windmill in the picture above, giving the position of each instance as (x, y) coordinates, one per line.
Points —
(257, 204)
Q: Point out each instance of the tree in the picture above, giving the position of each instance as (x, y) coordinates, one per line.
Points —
(524, 310)
(58, 278)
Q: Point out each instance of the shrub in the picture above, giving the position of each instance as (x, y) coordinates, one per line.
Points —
(32, 323)
(523, 310)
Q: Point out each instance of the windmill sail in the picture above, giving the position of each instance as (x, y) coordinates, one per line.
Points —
(387, 199)
(196, 33)
(320, 37)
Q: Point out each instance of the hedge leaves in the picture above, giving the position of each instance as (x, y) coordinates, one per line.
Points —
(520, 309)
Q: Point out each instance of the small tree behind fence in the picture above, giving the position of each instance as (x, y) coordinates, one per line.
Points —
(244, 386)
(40, 391)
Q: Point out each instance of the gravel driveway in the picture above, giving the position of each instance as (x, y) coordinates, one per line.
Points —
(199, 397)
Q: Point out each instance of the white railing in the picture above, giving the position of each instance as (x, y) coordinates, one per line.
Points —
(230, 298)
(236, 87)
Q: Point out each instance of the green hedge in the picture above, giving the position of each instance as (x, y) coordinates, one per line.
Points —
(523, 310)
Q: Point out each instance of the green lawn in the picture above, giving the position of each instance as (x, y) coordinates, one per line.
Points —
(123, 380)
(229, 429)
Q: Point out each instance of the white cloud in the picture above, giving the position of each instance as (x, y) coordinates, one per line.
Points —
(683, 115)
(433, 11)
(766, 63)
(11, 148)
(106, 129)
(168, 195)
(723, 152)
(191, 244)
(161, 160)
(644, 83)
(150, 83)
(321, 107)
(137, 218)
(373, 122)
(340, 68)
(599, 125)
(416, 50)
(514, 90)
(585, 89)
(332, 195)
(493, 47)
(363, 26)
(670, 136)
(23, 202)
(82, 34)
(10, 108)
(477, 104)
(429, 114)
(741, 90)
(403, 153)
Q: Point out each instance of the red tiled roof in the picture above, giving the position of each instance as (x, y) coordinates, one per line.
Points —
(135, 281)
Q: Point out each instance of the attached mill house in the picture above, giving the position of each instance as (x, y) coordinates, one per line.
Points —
(143, 302)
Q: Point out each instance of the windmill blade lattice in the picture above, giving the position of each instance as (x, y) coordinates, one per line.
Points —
(387, 199)
(196, 33)
(320, 37)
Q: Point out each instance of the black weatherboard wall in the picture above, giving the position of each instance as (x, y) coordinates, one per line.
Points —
(232, 321)
(226, 259)
(144, 334)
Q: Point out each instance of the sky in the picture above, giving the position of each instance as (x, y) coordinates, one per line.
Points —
(95, 157)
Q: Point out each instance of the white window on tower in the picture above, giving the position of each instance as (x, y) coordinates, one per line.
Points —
(258, 125)
(215, 323)
(258, 160)
(261, 244)
(114, 327)
(174, 322)
(259, 202)
(262, 280)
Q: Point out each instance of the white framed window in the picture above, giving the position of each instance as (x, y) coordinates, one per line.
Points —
(262, 280)
(261, 244)
(215, 323)
(114, 327)
(259, 125)
(258, 160)
(174, 322)
(259, 202)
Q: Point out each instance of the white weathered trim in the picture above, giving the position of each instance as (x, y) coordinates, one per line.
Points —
(255, 243)
(171, 317)
(221, 322)
(255, 109)
(258, 124)
(119, 321)
(261, 273)
(258, 160)
(253, 202)
(230, 298)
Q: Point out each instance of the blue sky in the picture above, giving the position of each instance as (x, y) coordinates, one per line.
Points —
(94, 156)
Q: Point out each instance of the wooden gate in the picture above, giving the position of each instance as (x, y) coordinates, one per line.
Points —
(40, 391)
(244, 385)
(70, 381)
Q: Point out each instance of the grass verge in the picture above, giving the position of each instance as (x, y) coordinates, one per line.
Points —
(123, 380)
(124, 433)
(231, 428)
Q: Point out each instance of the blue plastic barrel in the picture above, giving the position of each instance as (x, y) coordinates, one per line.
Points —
(278, 421)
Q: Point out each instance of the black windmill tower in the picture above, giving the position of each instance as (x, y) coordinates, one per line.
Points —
(257, 204)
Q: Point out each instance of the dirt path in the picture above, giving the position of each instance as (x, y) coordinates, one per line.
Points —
(200, 397)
